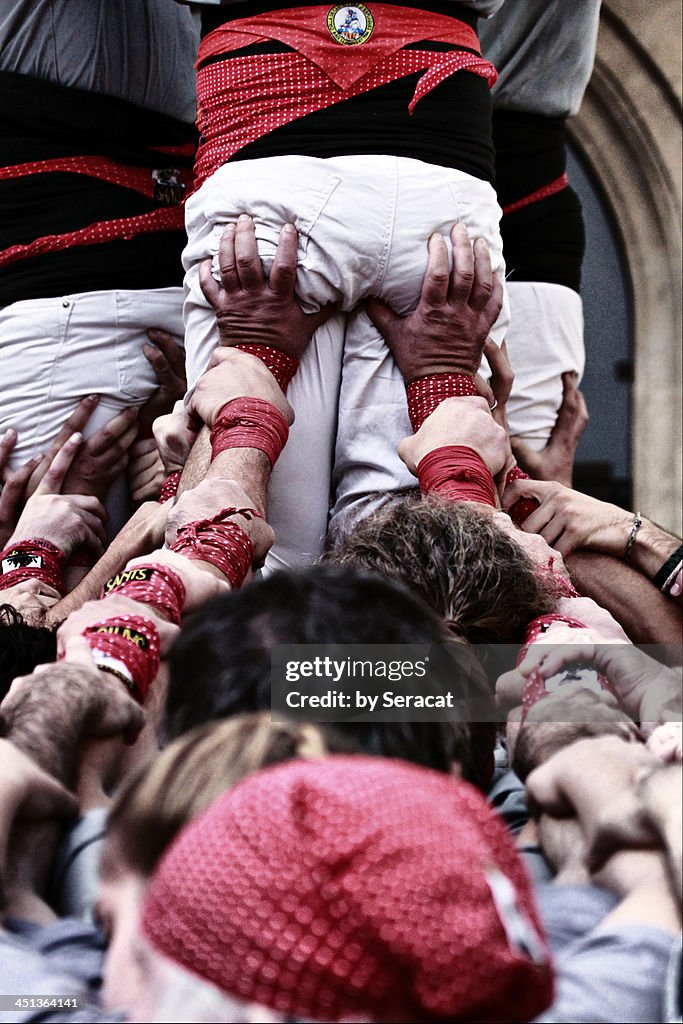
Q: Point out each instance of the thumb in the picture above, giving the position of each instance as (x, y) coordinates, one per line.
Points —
(382, 316)
(315, 320)
(528, 459)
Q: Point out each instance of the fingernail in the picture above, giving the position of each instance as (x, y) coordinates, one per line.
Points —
(149, 349)
(8, 434)
(480, 245)
(243, 218)
(76, 437)
(461, 228)
(288, 229)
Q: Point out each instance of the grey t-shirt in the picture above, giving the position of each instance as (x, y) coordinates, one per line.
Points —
(603, 974)
(142, 51)
(544, 52)
(62, 959)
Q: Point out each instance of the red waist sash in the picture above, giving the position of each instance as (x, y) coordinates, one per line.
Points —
(241, 99)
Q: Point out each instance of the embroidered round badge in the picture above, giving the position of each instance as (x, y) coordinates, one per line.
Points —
(350, 25)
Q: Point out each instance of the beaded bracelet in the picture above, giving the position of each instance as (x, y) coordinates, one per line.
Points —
(281, 365)
(427, 393)
(32, 559)
(153, 584)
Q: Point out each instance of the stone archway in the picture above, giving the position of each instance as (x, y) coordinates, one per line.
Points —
(629, 133)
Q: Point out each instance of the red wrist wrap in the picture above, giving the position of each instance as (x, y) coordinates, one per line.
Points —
(152, 584)
(127, 646)
(523, 507)
(535, 687)
(225, 545)
(169, 488)
(426, 393)
(281, 365)
(250, 423)
(34, 559)
(457, 473)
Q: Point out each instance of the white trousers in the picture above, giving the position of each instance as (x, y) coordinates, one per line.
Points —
(53, 352)
(544, 340)
(363, 224)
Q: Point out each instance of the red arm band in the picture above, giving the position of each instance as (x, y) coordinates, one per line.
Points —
(457, 473)
(426, 393)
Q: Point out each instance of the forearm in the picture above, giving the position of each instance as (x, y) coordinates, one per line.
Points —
(248, 466)
(647, 616)
(142, 533)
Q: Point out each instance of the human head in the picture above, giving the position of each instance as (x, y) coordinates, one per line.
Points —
(154, 805)
(22, 646)
(458, 560)
(221, 663)
(353, 888)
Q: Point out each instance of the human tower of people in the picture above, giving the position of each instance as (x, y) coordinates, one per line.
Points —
(308, 374)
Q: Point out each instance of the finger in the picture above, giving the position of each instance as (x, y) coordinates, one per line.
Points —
(539, 518)
(315, 320)
(213, 291)
(226, 259)
(60, 466)
(165, 373)
(283, 272)
(495, 301)
(544, 794)
(510, 689)
(484, 389)
(13, 490)
(528, 460)
(247, 259)
(119, 427)
(525, 489)
(90, 504)
(77, 421)
(382, 316)
(172, 351)
(435, 284)
(483, 275)
(572, 416)
(9, 439)
(462, 275)
(502, 374)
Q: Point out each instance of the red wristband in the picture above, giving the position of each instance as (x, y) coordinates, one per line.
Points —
(523, 507)
(458, 473)
(152, 584)
(127, 646)
(169, 488)
(250, 423)
(426, 393)
(29, 560)
(535, 687)
(282, 366)
(224, 544)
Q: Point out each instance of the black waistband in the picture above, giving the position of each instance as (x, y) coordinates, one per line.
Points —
(530, 153)
(41, 121)
(215, 17)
